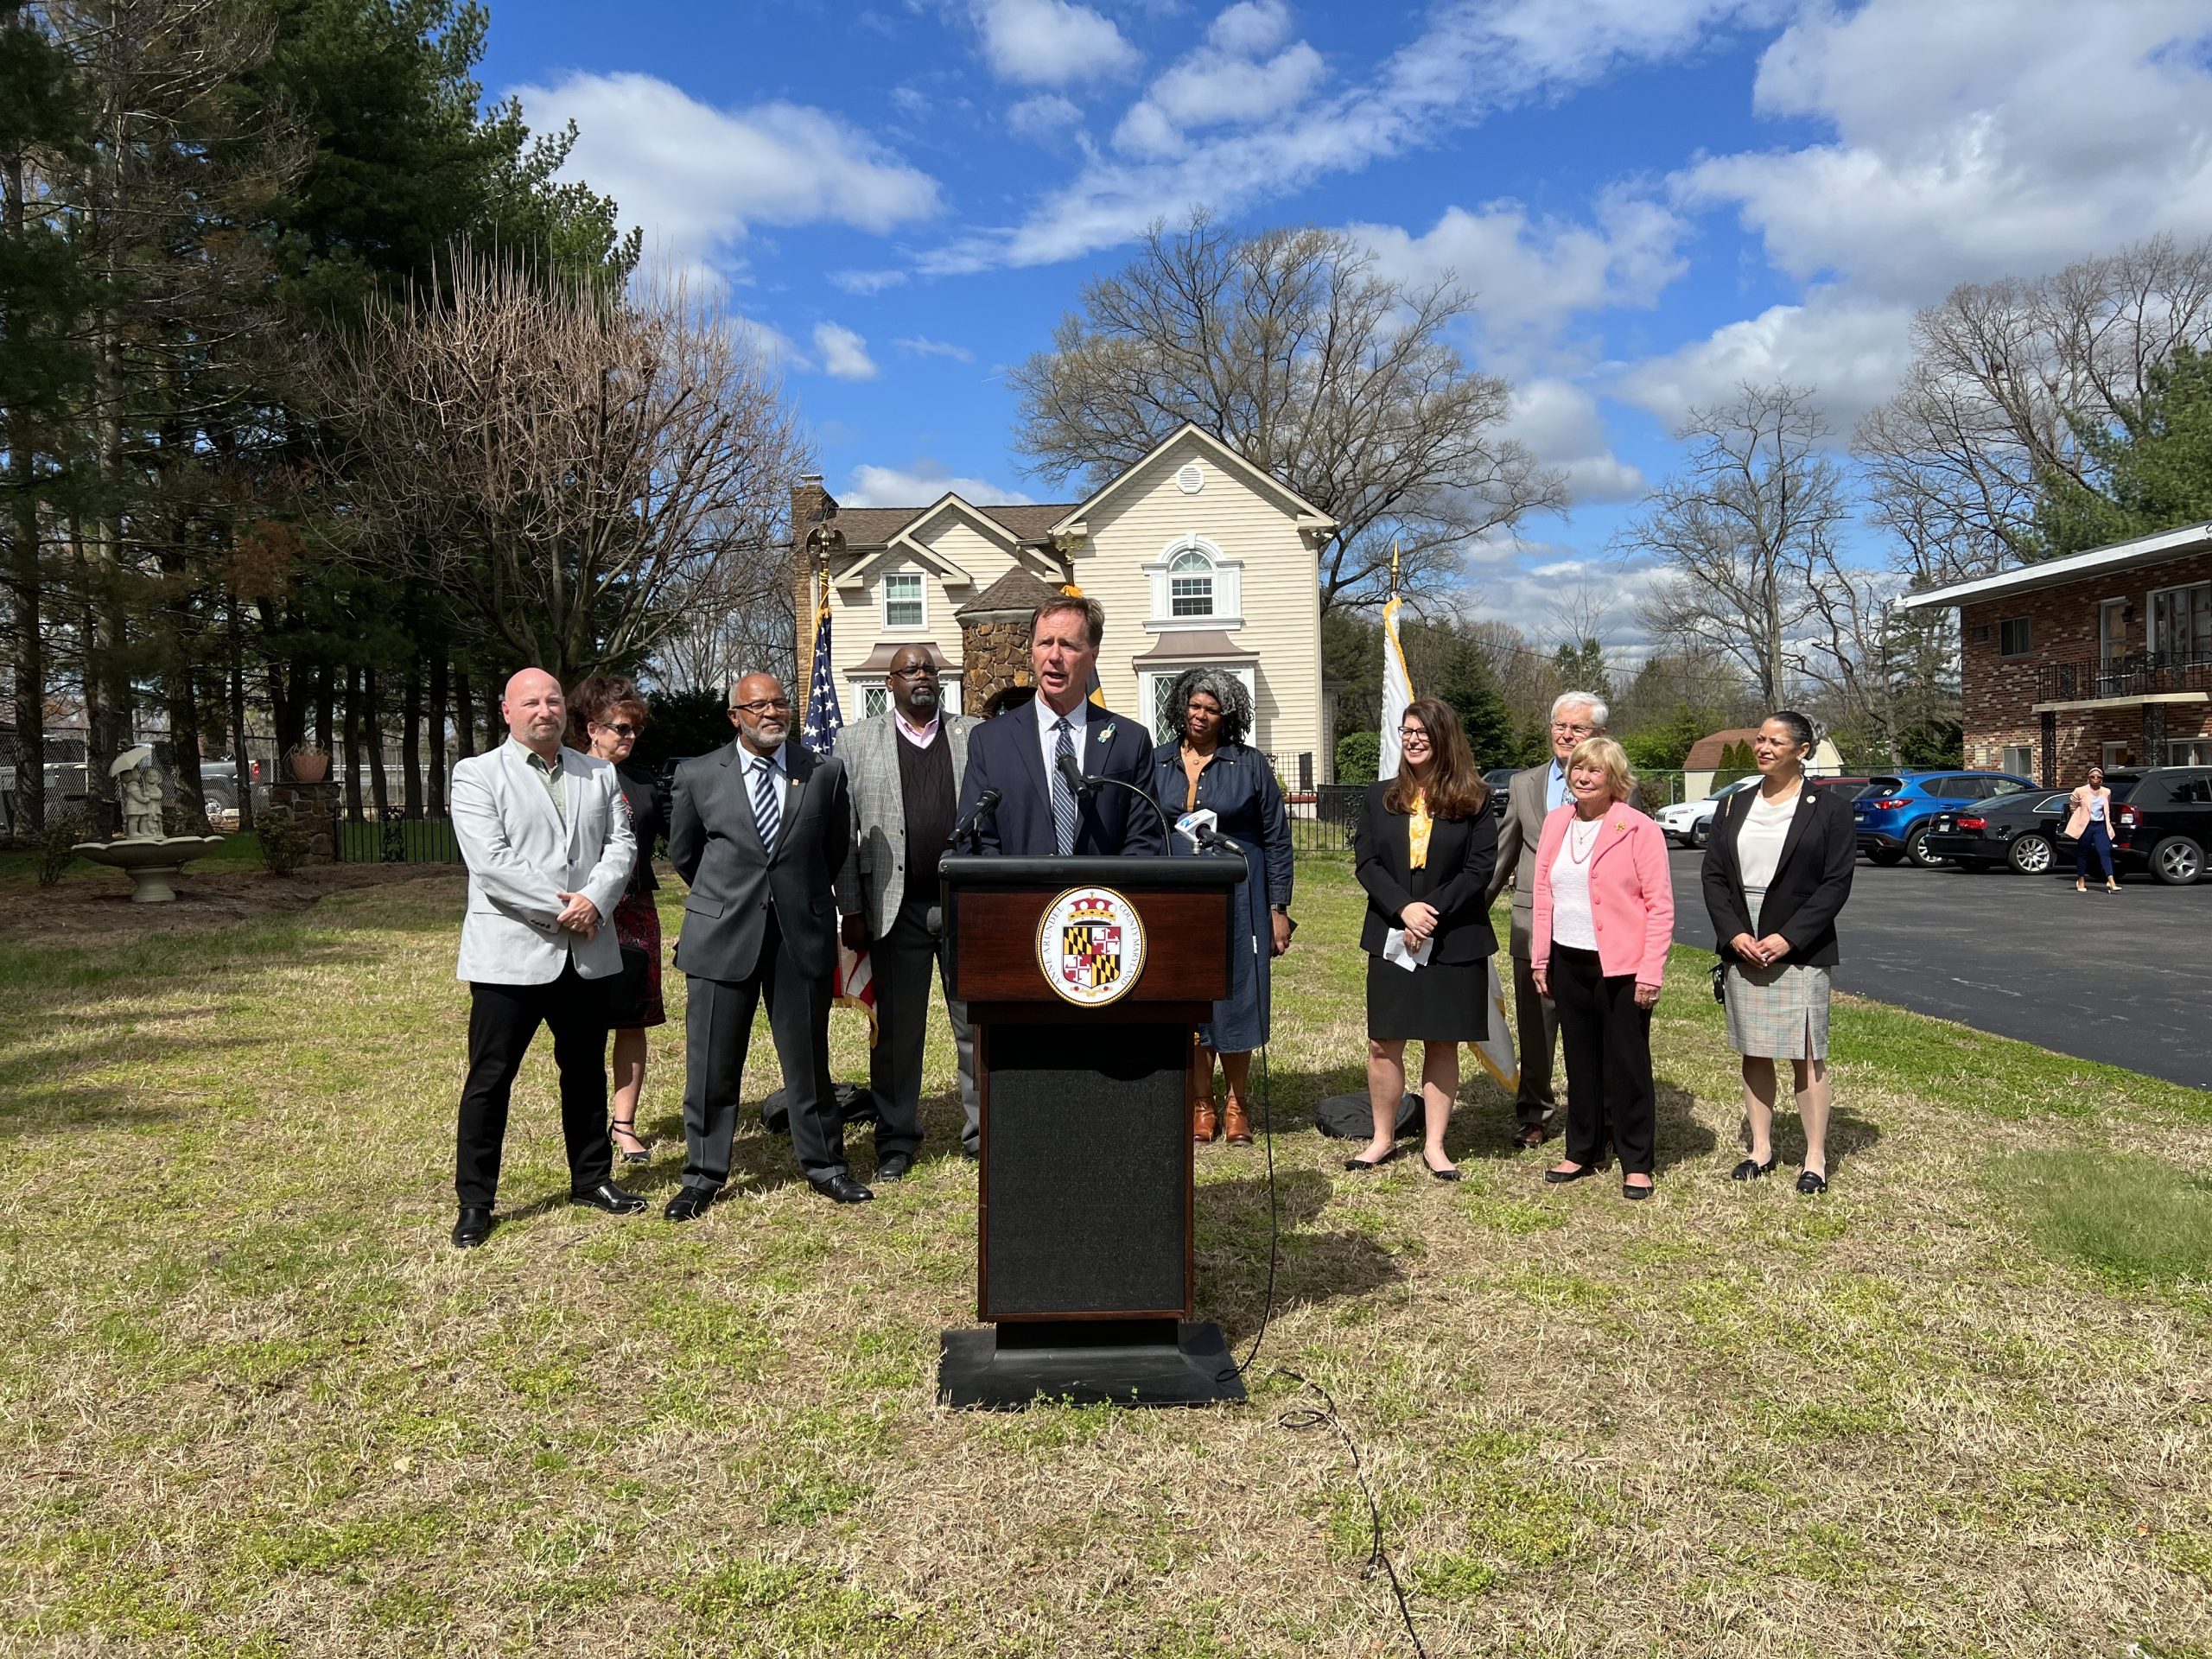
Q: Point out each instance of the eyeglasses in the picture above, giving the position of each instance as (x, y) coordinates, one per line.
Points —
(924, 673)
(764, 706)
(1412, 734)
(1565, 730)
(619, 727)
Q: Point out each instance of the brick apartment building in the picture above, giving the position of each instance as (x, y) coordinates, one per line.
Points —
(2103, 657)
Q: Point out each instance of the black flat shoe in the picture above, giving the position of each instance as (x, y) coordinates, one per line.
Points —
(690, 1203)
(1362, 1163)
(473, 1227)
(1751, 1169)
(842, 1189)
(612, 1199)
(1812, 1184)
(1561, 1177)
(1637, 1194)
(1454, 1174)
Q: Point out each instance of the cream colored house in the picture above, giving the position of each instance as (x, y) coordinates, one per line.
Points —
(1197, 556)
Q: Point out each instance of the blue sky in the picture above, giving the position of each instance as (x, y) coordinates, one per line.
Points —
(1653, 199)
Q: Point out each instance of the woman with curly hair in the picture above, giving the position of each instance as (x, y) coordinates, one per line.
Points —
(1206, 766)
(605, 714)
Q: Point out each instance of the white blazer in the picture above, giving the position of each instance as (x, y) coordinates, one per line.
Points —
(519, 857)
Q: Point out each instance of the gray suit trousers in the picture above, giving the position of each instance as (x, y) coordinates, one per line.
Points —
(1535, 1029)
(718, 1029)
(903, 959)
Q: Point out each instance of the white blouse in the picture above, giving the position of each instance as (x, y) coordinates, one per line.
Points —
(1571, 923)
(1759, 847)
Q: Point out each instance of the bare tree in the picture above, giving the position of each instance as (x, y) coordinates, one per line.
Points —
(2001, 374)
(1288, 347)
(581, 472)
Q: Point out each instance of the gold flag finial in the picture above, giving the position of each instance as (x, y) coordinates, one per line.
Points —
(1394, 567)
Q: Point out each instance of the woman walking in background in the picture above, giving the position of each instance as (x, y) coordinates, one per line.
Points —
(1206, 766)
(609, 713)
(1424, 845)
(1604, 916)
(1777, 870)
(2089, 826)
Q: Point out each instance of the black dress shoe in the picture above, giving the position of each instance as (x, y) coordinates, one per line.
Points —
(473, 1227)
(1531, 1134)
(614, 1200)
(1637, 1194)
(893, 1167)
(1451, 1174)
(1561, 1177)
(1377, 1163)
(690, 1203)
(1811, 1184)
(1751, 1169)
(842, 1189)
(970, 1153)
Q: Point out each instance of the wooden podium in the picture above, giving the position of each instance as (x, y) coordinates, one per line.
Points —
(1086, 979)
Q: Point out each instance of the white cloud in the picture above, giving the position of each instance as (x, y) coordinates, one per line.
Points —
(1211, 88)
(866, 283)
(921, 346)
(1547, 589)
(1559, 422)
(1044, 118)
(918, 485)
(1250, 28)
(844, 353)
(1851, 351)
(697, 177)
(1050, 43)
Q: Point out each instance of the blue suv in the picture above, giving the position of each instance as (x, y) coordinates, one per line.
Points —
(1894, 814)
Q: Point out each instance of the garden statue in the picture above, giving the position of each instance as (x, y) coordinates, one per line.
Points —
(147, 856)
(138, 791)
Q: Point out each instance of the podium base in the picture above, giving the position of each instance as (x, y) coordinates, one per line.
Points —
(1087, 1363)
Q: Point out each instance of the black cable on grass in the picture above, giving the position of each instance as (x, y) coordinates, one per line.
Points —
(1274, 1236)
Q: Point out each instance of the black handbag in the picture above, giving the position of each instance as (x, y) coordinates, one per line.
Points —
(1720, 981)
(626, 998)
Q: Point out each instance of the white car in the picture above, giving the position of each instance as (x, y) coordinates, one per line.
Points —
(1690, 822)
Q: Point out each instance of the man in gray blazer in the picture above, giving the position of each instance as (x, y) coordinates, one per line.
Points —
(545, 834)
(762, 832)
(907, 765)
(1530, 799)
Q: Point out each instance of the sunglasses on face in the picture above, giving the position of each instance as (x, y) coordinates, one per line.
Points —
(925, 672)
(619, 727)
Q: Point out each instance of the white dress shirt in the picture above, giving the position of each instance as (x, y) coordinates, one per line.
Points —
(1049, 741)
(1573, 925)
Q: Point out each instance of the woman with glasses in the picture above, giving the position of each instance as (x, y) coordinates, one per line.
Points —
(1205, 765)
(605, 714)
(1778, 871)
(2089, 826)
(1424, 844)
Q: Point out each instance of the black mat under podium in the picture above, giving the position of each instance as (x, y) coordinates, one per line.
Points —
(1087, 1363)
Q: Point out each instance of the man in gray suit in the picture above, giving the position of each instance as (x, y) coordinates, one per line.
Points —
(762, 833)
(545, 833)
(907, 765)
(1529, 798)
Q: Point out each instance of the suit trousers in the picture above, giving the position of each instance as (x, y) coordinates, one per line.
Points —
(502, 1019)
(1607, 1040)
(903, 959)
(1535, 1028)
(717, 1031)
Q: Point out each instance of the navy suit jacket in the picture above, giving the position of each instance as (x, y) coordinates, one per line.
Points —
(1004, 753)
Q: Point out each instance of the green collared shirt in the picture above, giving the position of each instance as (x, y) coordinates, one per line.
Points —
(552, 775)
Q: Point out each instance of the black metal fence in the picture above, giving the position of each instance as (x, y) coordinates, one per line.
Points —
(1321, 819)
(394, 841)
(2127, 674)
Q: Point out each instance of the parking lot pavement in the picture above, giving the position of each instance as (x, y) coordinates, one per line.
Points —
(2123, 978)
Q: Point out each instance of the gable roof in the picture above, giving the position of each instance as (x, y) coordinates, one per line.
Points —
(871, 527)
(1705, 753)
(2052, 573)
(1309, 516)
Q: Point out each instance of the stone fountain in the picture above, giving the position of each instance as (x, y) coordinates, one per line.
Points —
(149, 857)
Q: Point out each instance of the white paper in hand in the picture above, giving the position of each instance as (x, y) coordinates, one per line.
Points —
(1394, 952)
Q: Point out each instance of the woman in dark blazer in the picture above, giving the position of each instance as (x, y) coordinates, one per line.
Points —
(609, 712)
(1425, 844)
(1206, 766)
(1778, 871)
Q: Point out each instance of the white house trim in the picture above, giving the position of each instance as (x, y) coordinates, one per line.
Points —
(1228, 613)
(1303, 512)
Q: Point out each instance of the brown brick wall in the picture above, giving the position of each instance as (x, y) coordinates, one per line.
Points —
(1999, 694)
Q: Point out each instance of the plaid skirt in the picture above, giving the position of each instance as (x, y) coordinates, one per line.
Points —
(1778, 1012)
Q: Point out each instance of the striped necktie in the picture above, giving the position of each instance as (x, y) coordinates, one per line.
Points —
(767, 803)
(1063, 796)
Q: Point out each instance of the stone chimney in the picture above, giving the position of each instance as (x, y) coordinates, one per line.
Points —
(994, 640)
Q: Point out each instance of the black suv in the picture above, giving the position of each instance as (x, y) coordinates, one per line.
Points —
(2166, 825)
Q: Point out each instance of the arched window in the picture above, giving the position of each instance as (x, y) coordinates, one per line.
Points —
(1190, 584)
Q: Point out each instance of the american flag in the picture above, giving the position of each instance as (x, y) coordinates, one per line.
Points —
(818, 736)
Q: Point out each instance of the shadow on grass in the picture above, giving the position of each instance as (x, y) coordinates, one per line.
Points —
(1315, 1265)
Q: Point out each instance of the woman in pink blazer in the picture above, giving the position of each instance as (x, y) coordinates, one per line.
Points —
(2089, 826)
(1605, 918)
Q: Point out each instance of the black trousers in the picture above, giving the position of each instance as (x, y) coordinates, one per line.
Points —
(502, 1019)
(1536, 1031)
(717, 1031)
(905, 958)
(1606, 1040)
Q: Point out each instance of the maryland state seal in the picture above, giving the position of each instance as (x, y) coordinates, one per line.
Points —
(1090, 946)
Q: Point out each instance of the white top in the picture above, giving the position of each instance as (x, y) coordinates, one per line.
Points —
(1571, 923)
(2096, 808)
(1049, 741)
(1758, 846)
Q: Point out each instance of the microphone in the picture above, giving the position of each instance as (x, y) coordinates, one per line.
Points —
(1073, 773)
(1198, 829)
(969, 828)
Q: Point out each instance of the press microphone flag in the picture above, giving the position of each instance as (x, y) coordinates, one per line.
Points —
(1197, 827)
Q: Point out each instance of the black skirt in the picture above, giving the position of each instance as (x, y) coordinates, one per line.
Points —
(1444, 1003)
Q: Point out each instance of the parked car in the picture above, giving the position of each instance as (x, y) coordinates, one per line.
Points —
(2013, 829)
(1850, 788)
(1500, 778)
(1893, 814)
(2164, 826)
(1689, 823)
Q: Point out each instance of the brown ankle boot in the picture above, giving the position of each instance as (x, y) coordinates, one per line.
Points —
(1201, 1123)
(1237, 1126)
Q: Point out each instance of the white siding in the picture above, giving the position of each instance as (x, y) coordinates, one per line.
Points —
(857, 626)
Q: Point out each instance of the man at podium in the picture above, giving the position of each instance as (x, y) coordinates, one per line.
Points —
(1041, 760)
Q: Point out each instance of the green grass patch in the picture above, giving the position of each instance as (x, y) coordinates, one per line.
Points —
(2136, 1220)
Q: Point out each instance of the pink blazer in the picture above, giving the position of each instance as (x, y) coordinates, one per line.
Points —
(1631, 893)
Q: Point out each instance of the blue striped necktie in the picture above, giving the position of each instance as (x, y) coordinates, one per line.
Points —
(767, 806)
(1063, 796)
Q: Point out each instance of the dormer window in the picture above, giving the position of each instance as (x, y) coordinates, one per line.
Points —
(904, 603)
(1190, 584)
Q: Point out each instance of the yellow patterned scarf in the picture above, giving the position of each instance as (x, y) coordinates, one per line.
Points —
(1417, 835)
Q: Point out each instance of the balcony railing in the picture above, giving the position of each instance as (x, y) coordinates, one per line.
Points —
(2137, 674)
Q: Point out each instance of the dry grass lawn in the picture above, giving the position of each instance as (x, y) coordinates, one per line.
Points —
(252, 1403)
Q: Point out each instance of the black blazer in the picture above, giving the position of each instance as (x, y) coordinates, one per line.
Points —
(1810, 883)
(1455, 880)
(1004, 753)
(714, 841)
(648, 798)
